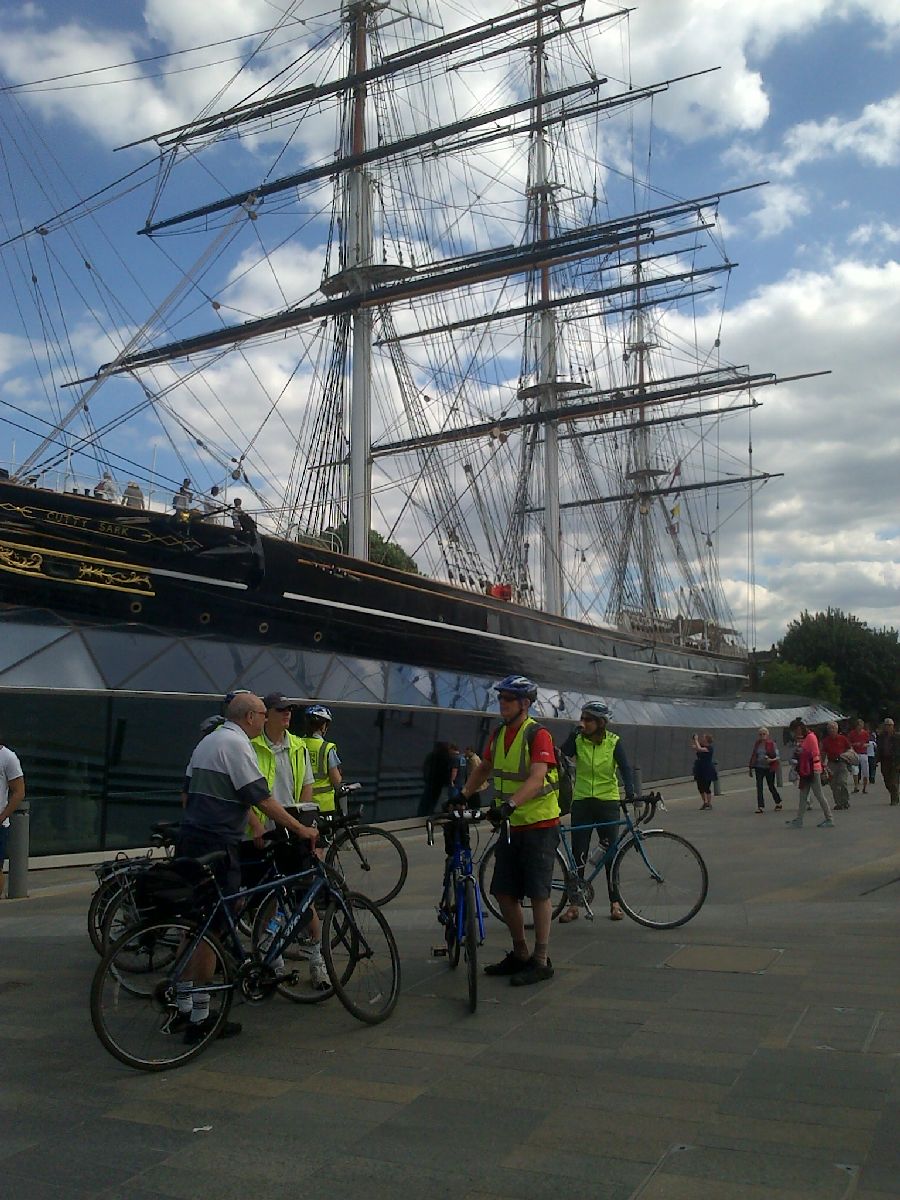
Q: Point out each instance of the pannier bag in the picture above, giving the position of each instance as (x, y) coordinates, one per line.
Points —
(177, 888)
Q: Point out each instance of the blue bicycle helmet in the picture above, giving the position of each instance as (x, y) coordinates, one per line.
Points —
(318, 712)
(597, 709)
(519, 685)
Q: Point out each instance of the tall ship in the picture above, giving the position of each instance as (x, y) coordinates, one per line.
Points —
(435, 384)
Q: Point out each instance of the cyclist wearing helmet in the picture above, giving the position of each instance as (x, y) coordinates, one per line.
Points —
(598, 754)
(520, 757)
(326, 764)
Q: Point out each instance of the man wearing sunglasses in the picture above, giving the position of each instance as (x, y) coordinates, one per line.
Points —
(522, 762)
(223, 782)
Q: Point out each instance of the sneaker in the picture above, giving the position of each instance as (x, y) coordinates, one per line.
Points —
(533, 973)
(797, 823)
(826, 824)
(318, 974)
(511, 965)
(198, 1030)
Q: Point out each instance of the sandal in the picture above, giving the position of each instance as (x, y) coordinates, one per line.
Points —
(615, 912)
(760, 810)
(571, 914)
(778, 808)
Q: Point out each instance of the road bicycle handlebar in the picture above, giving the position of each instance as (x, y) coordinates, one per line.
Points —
(468, 816)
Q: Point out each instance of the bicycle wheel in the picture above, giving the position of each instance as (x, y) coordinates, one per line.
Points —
(451, 936)
(667, 889)
(362, 959)
(559, 887)
(100, 901)
(471, 933)
(144, 1029)
(371, 861)
(121, 915)
(275, 908)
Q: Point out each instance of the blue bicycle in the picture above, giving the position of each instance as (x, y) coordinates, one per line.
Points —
(658, 878)
(459, 911)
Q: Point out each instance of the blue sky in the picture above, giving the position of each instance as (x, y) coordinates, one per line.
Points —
(808, 97)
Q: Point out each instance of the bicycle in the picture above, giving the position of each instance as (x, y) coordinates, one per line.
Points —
(645, 809)
(135, 992)
(114, 879)
(371, 860)
(659, 879)
(459, 911)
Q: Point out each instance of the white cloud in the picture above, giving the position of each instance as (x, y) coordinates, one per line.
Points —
(783, 205)
(825, 533)
(875, 233)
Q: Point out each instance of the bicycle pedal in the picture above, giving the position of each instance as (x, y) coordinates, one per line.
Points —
(438, 951)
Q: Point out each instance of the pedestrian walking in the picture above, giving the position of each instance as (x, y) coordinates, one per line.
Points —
(763, 764)
(809, 773)
(836, 755)
(859, 741)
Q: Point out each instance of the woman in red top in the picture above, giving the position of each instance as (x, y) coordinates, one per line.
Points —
(809, 770)
(835, 746)
(859, 740)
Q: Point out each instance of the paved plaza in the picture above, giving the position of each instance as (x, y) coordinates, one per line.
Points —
(752, 1055)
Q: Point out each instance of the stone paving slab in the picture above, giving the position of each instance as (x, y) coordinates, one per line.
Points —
(753, 1054)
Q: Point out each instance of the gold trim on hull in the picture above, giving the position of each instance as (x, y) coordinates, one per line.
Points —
(58, 567)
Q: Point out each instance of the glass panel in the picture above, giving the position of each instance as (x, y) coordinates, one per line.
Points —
(61, 743)
(65, 664)
(18, 641)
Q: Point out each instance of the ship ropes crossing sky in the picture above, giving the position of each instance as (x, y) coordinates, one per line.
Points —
(414, 271)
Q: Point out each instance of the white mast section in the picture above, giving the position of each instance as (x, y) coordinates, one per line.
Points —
(547, 366)
(359, 264)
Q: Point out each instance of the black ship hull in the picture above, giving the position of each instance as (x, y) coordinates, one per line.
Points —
(181, 574)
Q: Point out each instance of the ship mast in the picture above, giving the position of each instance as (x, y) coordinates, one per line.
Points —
(358, 265)
(547, 369)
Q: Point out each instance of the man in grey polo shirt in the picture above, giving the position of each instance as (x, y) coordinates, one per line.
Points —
(223, 781)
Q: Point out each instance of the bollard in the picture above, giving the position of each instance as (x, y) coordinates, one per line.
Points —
(779, 774)
(637, 781)
(17, 879)
(717, 787)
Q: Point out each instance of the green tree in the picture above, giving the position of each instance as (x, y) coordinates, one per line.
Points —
(788, 679)
(381, 551)
(865, 661)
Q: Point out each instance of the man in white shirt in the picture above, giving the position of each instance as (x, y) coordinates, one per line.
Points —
(12, 793)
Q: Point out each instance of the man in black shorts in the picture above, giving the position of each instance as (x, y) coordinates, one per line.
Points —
(522, 762)
(223, 782)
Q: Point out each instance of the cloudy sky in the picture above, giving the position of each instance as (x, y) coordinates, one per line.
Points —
(806, 98)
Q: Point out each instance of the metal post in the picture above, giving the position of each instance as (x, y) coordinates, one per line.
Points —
(638, 781)
(717, 787)
(17, 883)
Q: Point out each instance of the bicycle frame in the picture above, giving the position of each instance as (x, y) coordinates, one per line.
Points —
(460, 867)
(631, 833)
(233, 945)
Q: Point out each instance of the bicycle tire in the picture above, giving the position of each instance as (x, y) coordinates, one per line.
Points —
(381, 868)
(363, 962)
(133, 1027)
(673, 898)
(471, 935)
(121, 914)
(559, 888)
(102, 897)
(301, 992)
